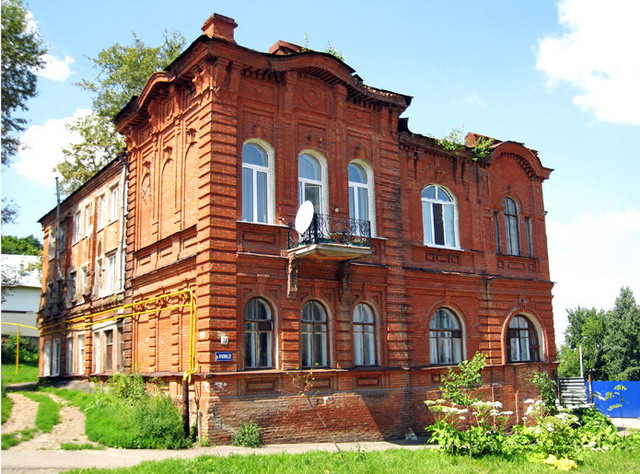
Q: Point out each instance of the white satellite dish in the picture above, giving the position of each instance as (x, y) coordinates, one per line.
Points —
(304, 216)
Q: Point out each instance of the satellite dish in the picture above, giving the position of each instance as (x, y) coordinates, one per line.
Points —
(304, 216)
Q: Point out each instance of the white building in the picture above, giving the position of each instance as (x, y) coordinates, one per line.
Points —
(21, 299)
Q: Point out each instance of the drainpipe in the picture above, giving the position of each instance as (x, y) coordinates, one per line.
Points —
(185, 406)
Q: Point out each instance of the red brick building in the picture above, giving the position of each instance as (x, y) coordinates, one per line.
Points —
(415, 258)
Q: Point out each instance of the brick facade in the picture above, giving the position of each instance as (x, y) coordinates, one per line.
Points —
(186, 230)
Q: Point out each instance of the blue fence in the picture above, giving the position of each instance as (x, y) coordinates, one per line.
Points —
(629, 398)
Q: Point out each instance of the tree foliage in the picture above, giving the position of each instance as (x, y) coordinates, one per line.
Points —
(122, 72)
(610, 341)
(22, 50)
(29, 245)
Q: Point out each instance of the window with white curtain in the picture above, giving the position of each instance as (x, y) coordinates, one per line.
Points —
(314, 336)
(522, 340)
(258, 335)
(364, 335)
(445, 338)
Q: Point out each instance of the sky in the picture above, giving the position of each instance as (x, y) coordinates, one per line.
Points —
(559, 76)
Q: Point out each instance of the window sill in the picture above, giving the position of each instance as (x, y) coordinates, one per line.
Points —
(444, 247)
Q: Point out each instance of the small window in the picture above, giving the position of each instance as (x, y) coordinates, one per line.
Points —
(496, 228)
(256, 184)
(87, 220)
(511, 227)
(110, 274)
(70, 354)
(114, 203)
(101, 206)
(364, 335)
(314, 335)
(55, 358)
(529, 233)
(46, 360)
(71, 287)
(439, 217)
(77, 220)
(523, 345)
(80, 354)
(52, 243)
(258, 335)
(445, 338)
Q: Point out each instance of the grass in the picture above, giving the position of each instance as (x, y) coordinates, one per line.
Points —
(28, 372)
(48, 411)
(17, 437)
(393, 461)
(79, 446)
(76, 397)
(7, 404)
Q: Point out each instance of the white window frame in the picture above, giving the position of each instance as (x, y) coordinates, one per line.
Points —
(98, 282)
(270, 207)
(114, 202)
(317, 328)
(364, 334)
(81, 284)
(100, 347)
(70, 357)
(46, 359)
(110, 272)
(76, 227)
(429, 226)
(323, 183)
(72, 295)
(55, 358)
(371, 201)
(512, 227)
(534, 328)
(80, 354)
(101, 211)
(87, 220)
(441, 334)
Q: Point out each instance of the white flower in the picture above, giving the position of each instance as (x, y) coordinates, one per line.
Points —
(462, 417)
(528, 401)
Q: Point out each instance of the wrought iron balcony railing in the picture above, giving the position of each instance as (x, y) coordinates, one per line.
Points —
(326, 229)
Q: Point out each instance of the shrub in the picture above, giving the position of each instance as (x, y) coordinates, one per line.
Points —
(248, 436)
(547, 389)
(125, 415)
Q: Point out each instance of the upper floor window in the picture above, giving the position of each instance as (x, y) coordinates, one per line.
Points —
(522, 340)
(314, 335)
(101, 207)
(258, 335)
(361, 197)
(87, 220)
(114, 203)
(445, 338)
(311, 182)
(439, 217)
(256, 184)
(75, 233)
(364, 335)
(511, 227)
(529, 235)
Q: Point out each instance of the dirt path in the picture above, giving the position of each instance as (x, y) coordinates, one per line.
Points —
(69, 430)
(23, 413)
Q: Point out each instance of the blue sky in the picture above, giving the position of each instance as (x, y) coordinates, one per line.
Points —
(561, 77)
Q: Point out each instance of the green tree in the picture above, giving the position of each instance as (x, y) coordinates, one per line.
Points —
(587, 329)
(622, 341)
(13, 245)
(123, 70)
(22, 50)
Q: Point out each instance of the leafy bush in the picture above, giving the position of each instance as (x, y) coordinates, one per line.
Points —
(28, 350)
(248, 436)
(125, 415)
(546, 389)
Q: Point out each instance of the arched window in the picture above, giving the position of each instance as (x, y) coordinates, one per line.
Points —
(522, 340)
(311, 182)
(258, 335)
(256, 184)
(360, 194)
(439, 217)
(364, 335)
(511, 226)
(445, 338)
(314, 335)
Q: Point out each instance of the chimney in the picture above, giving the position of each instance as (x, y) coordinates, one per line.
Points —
(220, 26)
(282, 48)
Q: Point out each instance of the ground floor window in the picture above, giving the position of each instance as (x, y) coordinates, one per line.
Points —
(80, 354)
(445, 338)
(522, 340)
(107, 341)
(258, 335)
(314, 336)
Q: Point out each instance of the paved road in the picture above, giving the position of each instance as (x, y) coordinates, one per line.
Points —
(54, 461)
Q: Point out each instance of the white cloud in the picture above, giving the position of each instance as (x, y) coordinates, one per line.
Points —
(56, 69)
(597, 54)
(42, 148)
(474, 99)
(591, 258)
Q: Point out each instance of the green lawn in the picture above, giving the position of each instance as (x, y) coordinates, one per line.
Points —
(394, 461)
(28, 372)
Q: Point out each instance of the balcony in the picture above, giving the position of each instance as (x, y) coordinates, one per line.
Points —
(331, 237)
